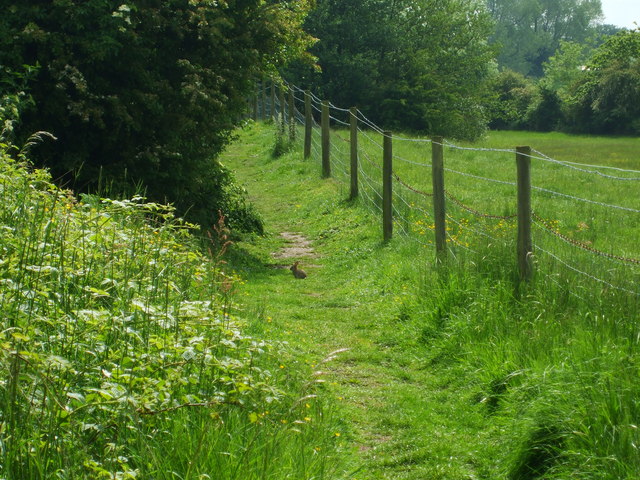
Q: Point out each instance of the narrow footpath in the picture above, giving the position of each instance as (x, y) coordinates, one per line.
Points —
(406, 416)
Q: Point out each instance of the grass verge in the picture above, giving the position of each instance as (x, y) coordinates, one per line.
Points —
(120, 357)
(449, 374)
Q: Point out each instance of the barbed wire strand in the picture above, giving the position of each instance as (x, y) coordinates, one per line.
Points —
(475, 149)
(585, 200)
(371, 139)
(331, 105)
(478, 177)
(409, 187)
(476, 212)
(368, 122)
(581, 245)
(546, 158)
(411, 162)
(588, 275)
(414, 140)
(337, 120)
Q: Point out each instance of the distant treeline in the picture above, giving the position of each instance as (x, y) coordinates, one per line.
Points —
(143, 95)
(458, 67)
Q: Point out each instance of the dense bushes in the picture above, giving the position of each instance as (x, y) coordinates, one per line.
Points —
(606, 98)
(597, 94)
(145, 93)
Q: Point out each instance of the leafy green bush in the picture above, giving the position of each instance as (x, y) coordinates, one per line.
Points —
(117, 334)
(146, 92)
(545, 114)
(606, 98)
(512, 95)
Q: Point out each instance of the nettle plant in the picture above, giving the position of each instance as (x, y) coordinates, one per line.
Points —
(111, 321)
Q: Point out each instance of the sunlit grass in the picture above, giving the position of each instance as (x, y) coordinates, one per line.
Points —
(460, 372)
(120, 356)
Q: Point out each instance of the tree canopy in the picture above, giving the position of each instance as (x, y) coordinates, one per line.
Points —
(606, 97)
(528, 33)
(411, 64)
(147, 91)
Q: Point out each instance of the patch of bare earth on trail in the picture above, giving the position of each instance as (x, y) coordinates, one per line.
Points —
(361, 384)
(296, 247)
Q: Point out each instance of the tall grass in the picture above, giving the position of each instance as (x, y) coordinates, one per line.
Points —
(119, 355)
(555, 362)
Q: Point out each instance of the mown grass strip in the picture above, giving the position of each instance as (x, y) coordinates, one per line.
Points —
(451, 374)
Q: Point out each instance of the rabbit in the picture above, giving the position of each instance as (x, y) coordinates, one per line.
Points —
(298, 273)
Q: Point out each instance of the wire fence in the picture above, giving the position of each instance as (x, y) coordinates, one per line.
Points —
(585, 218)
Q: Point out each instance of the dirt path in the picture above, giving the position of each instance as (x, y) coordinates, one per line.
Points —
(296, 247)
(402, 420)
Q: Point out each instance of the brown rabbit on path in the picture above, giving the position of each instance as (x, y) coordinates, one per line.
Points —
(297, 272)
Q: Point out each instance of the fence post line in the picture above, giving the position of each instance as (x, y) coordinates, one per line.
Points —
(292, 116)
(525, 244)
(387, 186)
(283, 110)
(273, 101)
(254, 115)
(263, 99)
(353, 123)
(308, 124)
(326, 141)
(437, 175)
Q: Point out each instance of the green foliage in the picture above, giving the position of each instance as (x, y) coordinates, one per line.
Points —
(512, 96)
(565, 67)
(606, 99)
(147, 92)
(528, 33)
(584, 90)
(407, 64)
(13, 97)
(546, 114)
(120, 356)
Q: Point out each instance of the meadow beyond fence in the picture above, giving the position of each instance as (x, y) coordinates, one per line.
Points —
(571, 221)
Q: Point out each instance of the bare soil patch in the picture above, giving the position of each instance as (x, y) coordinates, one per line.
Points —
(296, 247)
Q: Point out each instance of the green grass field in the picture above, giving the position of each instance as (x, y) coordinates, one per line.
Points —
(131, 348)
(460, 373)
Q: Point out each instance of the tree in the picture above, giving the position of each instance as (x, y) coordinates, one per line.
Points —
(528, 33)
(606, 99)
(410, 64)
(512, 95)
(564, 68)
(149, 91)
(545, 114)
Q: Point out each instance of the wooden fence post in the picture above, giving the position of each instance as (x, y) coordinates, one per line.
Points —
(387, 186)
(308, 124)
(283, 110)
(326, 141)
(437, 174)
(525, 244)
(292, 116)
(353, 116)
(273, 101)
(263, 115)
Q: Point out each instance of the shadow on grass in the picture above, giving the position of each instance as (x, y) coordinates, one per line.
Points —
(248, 264)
